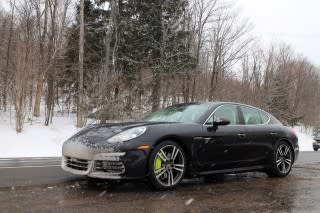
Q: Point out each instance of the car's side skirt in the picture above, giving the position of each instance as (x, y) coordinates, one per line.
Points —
(242, 169)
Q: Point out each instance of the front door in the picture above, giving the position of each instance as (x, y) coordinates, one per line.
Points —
(216, 146)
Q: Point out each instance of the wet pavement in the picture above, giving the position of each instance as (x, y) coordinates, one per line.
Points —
(49, 189)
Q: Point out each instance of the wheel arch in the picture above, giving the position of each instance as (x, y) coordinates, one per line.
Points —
(176, 140)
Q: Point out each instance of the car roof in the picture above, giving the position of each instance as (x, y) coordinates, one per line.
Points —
(216, 103)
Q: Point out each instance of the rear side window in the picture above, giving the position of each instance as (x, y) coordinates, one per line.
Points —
(251, 116)
(264, 117)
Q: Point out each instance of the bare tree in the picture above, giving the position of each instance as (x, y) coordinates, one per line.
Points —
(42, 31)
(80, 111)
(6, 74)
(229, 43)
(23, 64)
(203, 12)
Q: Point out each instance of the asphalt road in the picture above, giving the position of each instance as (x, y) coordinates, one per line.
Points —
(39, 185)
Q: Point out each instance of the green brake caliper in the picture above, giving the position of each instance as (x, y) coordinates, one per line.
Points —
(157, 164)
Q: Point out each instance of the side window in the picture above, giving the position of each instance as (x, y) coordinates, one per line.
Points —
(228, 112)
(264, 117)
(251, 116)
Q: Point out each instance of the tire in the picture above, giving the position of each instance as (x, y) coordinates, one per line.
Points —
(282, 160)
(316, 149)
(167, 165)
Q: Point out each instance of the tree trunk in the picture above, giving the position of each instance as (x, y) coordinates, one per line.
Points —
(155, 95)
(40, 76)
(50, 61)
(6, 74)
(80, 113)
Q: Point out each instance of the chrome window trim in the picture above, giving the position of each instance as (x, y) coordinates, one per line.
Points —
(204, 124)
(259, 110)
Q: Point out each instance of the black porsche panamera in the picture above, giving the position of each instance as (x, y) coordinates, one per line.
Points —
(185, 140)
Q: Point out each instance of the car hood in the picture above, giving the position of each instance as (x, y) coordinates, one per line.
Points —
(99, 133)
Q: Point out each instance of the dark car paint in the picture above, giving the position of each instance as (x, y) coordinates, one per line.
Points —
(229, 148)
(224, 142)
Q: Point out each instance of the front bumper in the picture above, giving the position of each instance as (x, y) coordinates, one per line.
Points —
(105, 163)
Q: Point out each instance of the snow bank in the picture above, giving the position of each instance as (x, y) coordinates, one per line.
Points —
(305, 139)
(36, 140)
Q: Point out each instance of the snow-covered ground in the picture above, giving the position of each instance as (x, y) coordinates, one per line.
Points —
(35, 140)
(38, 140)
(305, 138)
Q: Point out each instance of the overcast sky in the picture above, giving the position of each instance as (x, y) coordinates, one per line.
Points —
(296, 22)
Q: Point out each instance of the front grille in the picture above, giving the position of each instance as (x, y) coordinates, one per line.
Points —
(76, 163)
(114, 167)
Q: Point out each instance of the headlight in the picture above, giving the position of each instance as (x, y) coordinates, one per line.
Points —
(127, 134)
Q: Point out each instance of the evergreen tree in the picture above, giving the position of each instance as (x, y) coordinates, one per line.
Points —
(151, 34)
(95, 20)
(145, 35)
(278, 102)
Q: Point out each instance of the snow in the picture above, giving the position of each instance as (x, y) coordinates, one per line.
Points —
(305, 141)
(189, 201)
(37, 140)
(305, 138)
(102, 193)
(163, 196)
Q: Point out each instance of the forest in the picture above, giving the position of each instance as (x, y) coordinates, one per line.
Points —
(122, 59)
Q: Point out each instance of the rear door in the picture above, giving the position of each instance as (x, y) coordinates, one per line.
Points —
(260, 135)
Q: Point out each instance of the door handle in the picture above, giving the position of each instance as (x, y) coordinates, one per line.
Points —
(242, 135)
(273, 133)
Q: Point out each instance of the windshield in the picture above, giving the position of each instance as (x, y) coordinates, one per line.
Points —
(179, 113)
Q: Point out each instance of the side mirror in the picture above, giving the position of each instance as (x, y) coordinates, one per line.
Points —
(221, 122)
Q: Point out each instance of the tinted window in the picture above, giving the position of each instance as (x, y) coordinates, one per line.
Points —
(251, 116)
(264, 117)
(225, 112)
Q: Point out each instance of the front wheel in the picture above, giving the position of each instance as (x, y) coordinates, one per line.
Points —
(167, 165)
(282, 160)
(315, 149)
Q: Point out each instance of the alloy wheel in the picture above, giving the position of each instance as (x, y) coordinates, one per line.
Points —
(169, 165)
(284, 158)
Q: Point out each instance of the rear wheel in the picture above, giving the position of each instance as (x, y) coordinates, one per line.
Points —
(316, 149)
(167, 165)
(282, 160)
